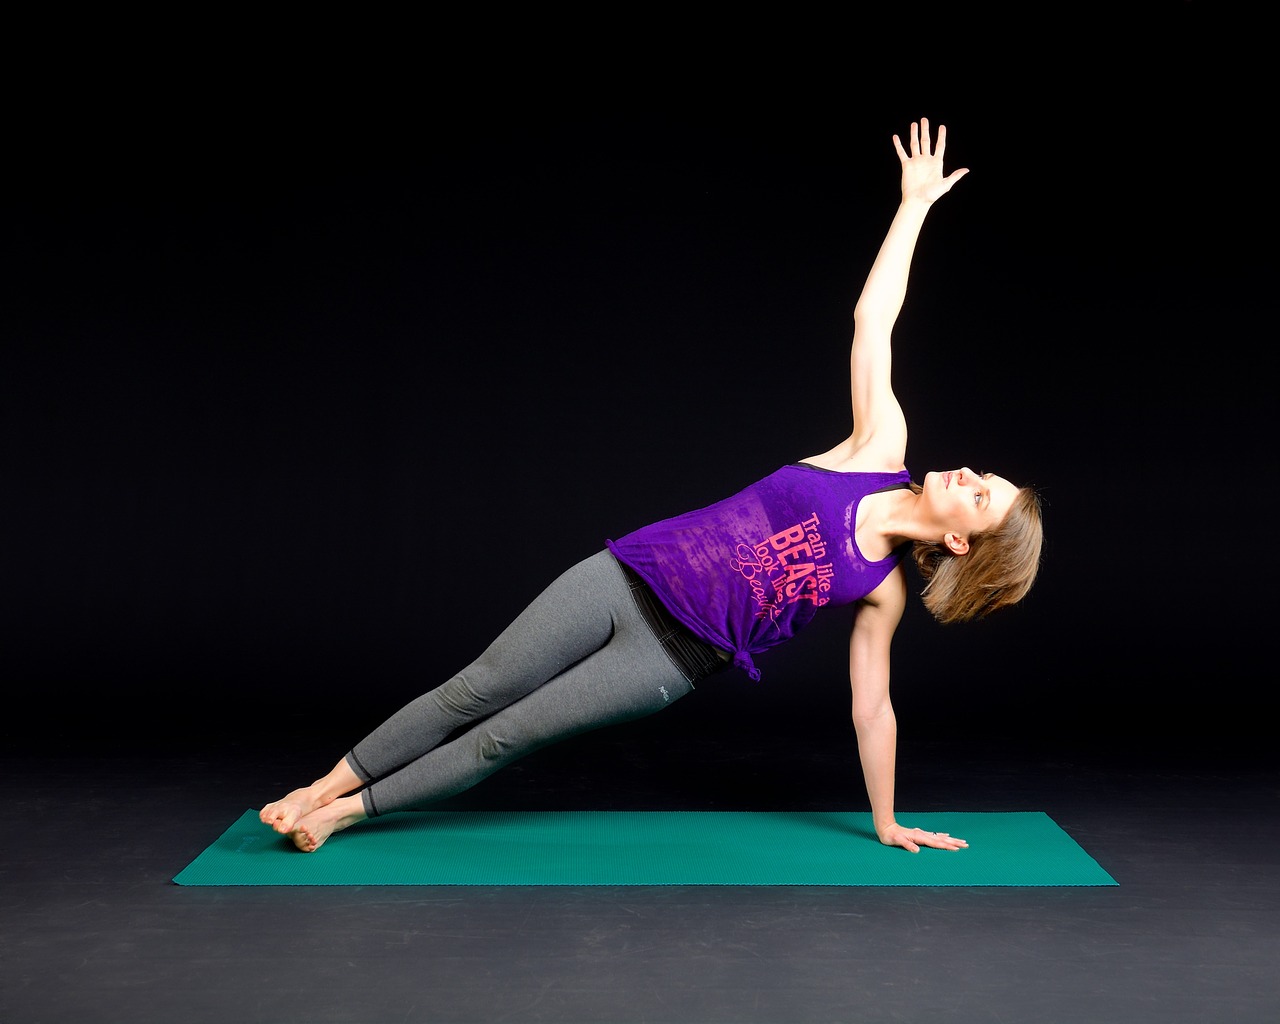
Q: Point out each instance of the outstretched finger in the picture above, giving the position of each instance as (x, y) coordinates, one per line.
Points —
(942, 840)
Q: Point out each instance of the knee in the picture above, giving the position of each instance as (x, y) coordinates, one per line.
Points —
(501, 741)
(460, 697)
(494, 746)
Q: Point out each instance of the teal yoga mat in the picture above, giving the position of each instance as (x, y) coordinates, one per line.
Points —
(490, 848)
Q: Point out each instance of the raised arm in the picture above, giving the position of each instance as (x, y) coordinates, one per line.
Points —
(879, 437)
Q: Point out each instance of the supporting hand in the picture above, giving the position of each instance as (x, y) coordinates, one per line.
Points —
(914, 838)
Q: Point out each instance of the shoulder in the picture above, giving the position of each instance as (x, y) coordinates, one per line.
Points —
(871, 641)
(892, 592)
(882, 608)
(846, 458)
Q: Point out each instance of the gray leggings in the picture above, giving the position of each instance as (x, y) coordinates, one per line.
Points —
(579, 657)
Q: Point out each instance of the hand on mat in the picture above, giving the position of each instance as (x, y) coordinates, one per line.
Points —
(914, 838)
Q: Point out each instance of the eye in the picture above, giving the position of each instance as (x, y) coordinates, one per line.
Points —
(980, 494)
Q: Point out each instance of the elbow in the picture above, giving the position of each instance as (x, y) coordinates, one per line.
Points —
(877, 717)
(876, 312)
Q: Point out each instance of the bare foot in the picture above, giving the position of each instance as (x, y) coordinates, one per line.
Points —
(310, 832)
(284, 814)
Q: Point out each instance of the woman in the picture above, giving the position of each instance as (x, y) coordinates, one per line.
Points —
(635, 626)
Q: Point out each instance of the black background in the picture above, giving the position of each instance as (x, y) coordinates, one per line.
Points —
(323, 351)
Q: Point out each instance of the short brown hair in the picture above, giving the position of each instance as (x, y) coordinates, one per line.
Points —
(998, 569)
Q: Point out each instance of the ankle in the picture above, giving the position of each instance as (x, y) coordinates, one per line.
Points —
(333, 786)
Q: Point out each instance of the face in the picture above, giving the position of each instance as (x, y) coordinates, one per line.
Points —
(966, 502)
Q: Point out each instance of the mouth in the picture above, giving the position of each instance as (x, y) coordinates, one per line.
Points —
(946, 479)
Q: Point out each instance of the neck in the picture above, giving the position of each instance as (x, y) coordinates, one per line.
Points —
(896, 518)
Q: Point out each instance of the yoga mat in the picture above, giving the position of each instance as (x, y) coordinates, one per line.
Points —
(649, 848)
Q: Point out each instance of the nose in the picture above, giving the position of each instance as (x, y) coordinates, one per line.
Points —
(968, 480)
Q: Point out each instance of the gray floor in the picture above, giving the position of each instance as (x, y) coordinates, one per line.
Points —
(95, 930)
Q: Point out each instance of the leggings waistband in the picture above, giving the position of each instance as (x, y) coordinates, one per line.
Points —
(692, 655)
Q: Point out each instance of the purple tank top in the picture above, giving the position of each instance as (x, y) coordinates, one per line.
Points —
(750, 571)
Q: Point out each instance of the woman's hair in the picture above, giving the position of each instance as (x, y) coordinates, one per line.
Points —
(998, 569)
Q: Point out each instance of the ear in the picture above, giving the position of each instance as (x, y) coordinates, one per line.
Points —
(956, 544)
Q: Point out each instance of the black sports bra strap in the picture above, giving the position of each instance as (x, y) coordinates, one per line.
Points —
(891, 487)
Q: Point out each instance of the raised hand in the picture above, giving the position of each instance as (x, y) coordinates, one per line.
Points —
(922, 176)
